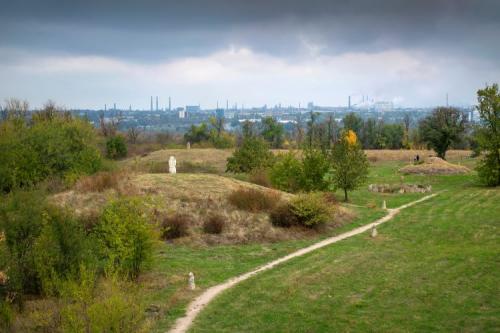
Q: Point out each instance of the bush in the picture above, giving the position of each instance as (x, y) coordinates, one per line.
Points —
(175, 226)
(286, 173)
(310, 209)
(58, 146)
(60, 249)
(253, 200)
(101, 305)
(282, 216)
(44, 243)
(124, 237)
(22, 221)
(116, 147)
(214, 224)
(254, 153)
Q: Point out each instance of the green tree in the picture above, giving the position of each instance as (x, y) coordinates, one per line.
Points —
(353, 122)
(349, 165)
(286, 173)
(197, 133)
(272, 132)
(442, 128)
(488, 135)
(116, 147)
(254, 153)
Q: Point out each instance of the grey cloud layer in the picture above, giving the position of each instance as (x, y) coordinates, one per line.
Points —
(154, 30)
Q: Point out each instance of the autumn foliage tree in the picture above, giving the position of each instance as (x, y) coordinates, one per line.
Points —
(349, 165)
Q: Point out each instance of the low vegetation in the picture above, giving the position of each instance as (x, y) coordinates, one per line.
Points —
(53, 144)
(253, 200)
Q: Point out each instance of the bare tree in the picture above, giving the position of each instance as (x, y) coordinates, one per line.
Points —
(110, 127)
(15, 108)
(133, 134)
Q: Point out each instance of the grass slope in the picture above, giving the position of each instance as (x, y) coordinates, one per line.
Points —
(435, 267)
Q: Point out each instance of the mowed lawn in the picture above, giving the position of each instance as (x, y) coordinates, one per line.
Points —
(435, 267)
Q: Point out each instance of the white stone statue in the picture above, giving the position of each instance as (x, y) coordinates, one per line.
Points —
(384, 206)
(374, 232)
(188, 145)
(191, 283)
(171, 165)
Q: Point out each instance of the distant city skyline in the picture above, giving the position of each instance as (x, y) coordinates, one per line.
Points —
(84, 54)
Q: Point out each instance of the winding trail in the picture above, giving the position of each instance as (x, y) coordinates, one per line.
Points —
(182, 324)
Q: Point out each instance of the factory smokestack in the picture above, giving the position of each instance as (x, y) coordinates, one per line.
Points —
(156, 103)
(151, 103)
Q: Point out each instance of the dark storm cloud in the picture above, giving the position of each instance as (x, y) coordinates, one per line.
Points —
(153, 29)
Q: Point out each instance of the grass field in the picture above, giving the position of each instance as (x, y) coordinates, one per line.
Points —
(435, 267)
(166, 285)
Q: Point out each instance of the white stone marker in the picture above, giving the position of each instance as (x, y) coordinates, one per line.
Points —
(171, 165)
(374, 232)
(384, 206)
(191, 283)
(188, 145)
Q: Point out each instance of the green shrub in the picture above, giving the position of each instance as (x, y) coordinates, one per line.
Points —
(253, 200)
(60, 249)
(22, 220)
(44, 243)
(101, 305)
(286, 173)
(214, 224)
(175, 226)
(310, 209)
(124, 237)
(254, 153)
(116, 147)
(58, 146)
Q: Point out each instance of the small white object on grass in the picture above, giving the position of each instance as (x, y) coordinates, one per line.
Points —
(188, 145)
(171, 165)
(192, 285)
(384, 206)
(374, 232)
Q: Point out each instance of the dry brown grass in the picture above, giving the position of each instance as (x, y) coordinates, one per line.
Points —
(214, 159)
(254, 200)
(100, 181)
(434, 166)
(196, 196)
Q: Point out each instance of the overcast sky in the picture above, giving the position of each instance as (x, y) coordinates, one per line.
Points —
(252, 52)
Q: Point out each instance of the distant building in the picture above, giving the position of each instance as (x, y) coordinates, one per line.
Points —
(219, 113)
(310, 106)
(182, 113)
(383, 106)
(192, 108)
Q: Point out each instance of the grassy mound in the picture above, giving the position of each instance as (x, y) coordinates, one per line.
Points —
(434, 166)
(196, 197)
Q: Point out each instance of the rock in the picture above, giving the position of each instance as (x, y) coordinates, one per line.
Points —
(374, 232)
